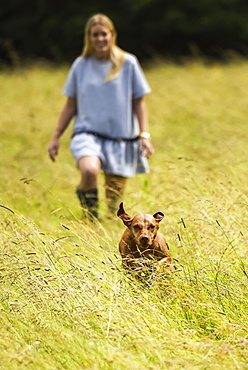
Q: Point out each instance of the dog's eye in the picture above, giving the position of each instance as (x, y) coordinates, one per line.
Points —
(137, 227)
(151, 227)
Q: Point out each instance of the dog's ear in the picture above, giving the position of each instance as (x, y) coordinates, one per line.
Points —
(127, 220)
(158, 216)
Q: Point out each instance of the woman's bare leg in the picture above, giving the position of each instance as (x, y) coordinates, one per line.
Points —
(87, 189)
(115, 186)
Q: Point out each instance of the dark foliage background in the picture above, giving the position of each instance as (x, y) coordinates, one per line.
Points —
(54, 29)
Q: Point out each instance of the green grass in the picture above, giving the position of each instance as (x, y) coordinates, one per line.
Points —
(65, 301)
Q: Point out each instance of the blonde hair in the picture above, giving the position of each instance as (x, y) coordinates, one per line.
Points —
(117, 55)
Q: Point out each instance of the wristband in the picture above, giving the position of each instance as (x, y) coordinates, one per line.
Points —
(145, 135)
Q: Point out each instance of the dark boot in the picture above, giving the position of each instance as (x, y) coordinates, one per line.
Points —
(89, 202)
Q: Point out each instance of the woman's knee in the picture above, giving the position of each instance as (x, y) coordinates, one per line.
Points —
(89, 166)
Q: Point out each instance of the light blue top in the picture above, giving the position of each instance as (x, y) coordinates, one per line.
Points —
(106, 108)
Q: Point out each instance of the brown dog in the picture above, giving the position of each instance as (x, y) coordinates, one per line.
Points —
(141, 240)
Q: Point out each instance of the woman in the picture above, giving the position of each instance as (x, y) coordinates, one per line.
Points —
(105, 89)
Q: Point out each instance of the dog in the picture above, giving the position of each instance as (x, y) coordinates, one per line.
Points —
(141, 241)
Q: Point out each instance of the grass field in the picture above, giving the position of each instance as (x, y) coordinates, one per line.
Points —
(65, 301)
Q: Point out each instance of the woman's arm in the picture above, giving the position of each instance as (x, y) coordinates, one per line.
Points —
(139, 107)
(69, 110)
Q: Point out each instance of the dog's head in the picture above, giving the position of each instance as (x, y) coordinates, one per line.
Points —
(143, 227)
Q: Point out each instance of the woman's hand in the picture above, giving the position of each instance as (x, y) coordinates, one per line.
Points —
(53, 148)
(147, 147)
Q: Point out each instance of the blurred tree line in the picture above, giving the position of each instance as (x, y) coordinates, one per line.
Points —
(53, 29)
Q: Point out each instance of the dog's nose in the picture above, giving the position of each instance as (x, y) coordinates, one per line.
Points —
(144, 238)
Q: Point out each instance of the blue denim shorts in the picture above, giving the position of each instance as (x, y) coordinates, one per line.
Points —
(123, 158)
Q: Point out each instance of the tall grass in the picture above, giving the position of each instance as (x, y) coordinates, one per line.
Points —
(66, 303)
